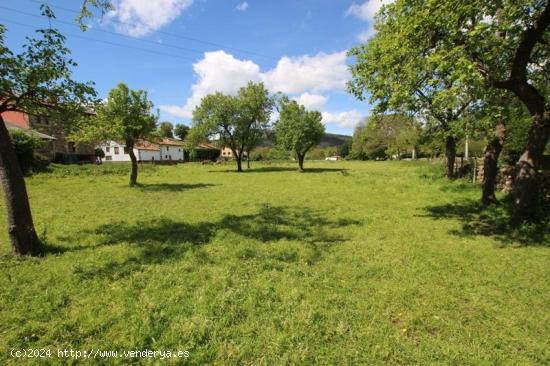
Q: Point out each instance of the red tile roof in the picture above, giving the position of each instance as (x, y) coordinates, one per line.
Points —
(18, 119)
(147, 145)
(170, 141)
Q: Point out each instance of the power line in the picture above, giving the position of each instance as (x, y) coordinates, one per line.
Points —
(103, 41)
(167, 33)
(105, 31)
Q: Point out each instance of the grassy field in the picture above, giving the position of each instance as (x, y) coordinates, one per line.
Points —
(351, 262)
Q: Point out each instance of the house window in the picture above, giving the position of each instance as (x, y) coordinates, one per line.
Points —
(108, 158)
(152, 158)
(167, 148)
(71, 147)
(116, 150)
(126, 151)
(107, 149)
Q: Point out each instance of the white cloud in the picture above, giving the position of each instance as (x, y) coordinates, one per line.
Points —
(220, 71)
(217, 71)
(311, 101)
(316, 73)
(368, 9)
(141, 17)
(242, 6)
(348, 119)
(365, 35)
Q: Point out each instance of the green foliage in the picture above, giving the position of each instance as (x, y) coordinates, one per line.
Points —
(181, 131)
(268, 154)
(38, 80)
(321, 153)
(381, 136)
(379, 266)
(165, 129)
(25, 147)
(298, 130)
(87, 7)
(239, 122)
(125, 116)
(345, 149)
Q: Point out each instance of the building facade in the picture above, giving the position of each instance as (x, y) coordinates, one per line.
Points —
(162, 150)
(56, 147)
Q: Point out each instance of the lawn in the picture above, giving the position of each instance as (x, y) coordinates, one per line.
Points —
(349, 263)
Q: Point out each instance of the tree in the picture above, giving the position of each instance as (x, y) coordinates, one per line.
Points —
(383, 135)
(402, 78)
(181, 131)
(345, 149)
(298, 130)
(166, 129)
(36, 81)
(237, 121)
(484, 45)
(125, 116)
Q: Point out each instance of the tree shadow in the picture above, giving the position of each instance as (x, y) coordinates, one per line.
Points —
(494, 221)
(163, 239)
(272, 169)
(171, 187)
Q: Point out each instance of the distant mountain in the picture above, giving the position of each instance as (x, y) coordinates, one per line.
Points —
(332, 139)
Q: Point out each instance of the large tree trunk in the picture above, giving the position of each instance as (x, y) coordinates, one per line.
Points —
(450, 153)
(134, 172)
(526, 188)
(301, 161)
(20, 225)
(490, 165)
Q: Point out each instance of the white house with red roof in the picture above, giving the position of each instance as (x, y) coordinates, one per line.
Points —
(165, 149)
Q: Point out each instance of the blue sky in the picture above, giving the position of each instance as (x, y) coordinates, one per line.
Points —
(181, 50)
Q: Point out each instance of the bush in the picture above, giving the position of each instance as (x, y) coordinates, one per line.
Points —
(25, 147)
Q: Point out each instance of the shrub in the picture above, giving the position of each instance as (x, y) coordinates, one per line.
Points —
(25, 147)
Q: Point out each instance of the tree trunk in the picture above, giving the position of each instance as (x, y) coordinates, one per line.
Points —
(21, 230)
(301, 162)
(467, 149)
(526, 188)
(413, 153)
(450, 153)
(490, 165)
(238, 157)
(134, 172)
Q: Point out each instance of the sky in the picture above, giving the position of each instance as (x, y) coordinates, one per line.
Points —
(181, 50)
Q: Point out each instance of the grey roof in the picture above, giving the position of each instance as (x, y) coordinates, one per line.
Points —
(32, 133)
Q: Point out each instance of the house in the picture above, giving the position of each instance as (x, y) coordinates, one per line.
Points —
(56, 147)
(118, 152)
(205, 151)
(227, 153)
(161, 150)
(171, 149)
(333, 158)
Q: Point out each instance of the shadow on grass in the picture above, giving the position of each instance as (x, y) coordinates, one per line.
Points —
(271, 169)
(171, 187)
(493, 222)
(164, 239)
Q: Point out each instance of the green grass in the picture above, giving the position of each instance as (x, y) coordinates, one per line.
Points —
(351, 262)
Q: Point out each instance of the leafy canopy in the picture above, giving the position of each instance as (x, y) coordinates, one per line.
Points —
(39, 79)
(125, 116)
(298, 130)
(238, 121)
(166, 129)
